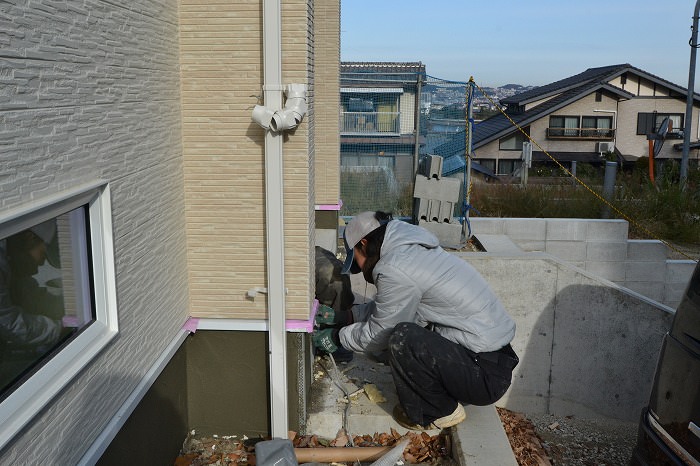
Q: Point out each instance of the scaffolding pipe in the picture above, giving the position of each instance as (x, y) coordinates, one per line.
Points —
(274, 222)
(691, 94)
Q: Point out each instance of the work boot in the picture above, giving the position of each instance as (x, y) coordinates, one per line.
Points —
(457, 416)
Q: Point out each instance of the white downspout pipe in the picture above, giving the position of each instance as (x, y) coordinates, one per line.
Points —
(274, 221)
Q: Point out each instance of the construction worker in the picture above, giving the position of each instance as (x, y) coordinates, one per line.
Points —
(447, 334)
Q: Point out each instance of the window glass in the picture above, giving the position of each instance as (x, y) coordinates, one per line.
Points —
(601, 124)
(568, 125)
(58, 305)
(45, 294)
(513, 142)
(507, 167)
(648, 123)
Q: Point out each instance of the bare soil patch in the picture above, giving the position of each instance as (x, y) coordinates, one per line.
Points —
(544, 439)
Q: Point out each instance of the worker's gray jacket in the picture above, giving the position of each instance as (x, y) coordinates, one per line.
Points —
(417, 281)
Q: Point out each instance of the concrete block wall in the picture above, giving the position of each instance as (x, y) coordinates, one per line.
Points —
(600, 247)
(91, 91)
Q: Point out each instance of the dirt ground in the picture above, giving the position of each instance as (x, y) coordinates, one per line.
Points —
(536, 440)
(545, 440)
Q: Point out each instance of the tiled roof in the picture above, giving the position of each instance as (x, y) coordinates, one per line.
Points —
(600, 75)
(381, 67)
(591, 74)
(355, 73)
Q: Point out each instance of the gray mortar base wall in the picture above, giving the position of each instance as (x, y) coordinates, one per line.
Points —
(216, 384)
(587, 346)
(601, 247)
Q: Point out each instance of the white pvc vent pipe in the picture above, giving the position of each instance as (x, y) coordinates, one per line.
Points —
(286, 118)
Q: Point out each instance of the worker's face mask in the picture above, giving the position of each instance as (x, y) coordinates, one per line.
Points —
(368, 268)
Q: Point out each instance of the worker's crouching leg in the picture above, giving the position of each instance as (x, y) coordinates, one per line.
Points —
(433, 374)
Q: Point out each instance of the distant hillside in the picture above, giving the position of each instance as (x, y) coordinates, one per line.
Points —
(451, 94)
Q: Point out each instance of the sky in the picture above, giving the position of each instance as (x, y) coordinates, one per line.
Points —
(527, 42)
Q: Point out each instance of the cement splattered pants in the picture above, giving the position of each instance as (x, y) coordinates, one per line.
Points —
(432, 374)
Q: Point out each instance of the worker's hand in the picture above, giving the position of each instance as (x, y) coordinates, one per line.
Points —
(326, 316)
(326, 340)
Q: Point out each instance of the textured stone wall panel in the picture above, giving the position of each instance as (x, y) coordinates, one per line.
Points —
(91, 91)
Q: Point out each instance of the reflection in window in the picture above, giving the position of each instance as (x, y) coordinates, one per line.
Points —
(45, 293)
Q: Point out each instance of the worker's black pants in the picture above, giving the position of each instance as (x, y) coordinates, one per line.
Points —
(433, 374)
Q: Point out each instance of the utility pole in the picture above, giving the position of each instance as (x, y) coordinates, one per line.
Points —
(691, 94)
(416, 149)
(468, 155)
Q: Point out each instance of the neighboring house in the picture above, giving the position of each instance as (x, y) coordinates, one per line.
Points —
(579, 118)
(130, 124)
(379, 114)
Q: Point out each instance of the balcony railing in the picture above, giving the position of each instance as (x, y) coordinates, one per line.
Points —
(581, 133)
(370, 122)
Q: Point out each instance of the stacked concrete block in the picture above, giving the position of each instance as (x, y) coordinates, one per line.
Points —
(488, 225)
(565, 239)
(434, 200)
(602, 248)
(645, 266)
(527, 233)
(678, 273)
(606, 248)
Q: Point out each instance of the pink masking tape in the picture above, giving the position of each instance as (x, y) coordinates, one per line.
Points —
(330, 206)
(305, 325)
(191, 324)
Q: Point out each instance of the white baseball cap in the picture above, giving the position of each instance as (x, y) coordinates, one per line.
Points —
(360, 226)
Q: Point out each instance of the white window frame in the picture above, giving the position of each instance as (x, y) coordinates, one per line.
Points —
(28, 399)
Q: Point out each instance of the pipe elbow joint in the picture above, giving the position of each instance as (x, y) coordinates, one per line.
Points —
(263, 116)
(288, 117)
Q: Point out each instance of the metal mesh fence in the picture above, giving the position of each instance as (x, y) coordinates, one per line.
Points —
(391, 115)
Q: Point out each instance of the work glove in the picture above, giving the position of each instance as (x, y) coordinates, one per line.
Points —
(326, 340)
(326, 316)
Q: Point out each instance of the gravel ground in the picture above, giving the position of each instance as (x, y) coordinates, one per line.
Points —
(571, 441)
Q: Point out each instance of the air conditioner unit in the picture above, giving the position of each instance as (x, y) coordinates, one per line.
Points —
(606, 147)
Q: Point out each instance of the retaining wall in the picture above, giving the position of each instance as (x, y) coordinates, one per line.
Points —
(587, 346)
(601, 247)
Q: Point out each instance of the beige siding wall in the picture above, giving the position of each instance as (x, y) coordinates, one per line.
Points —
(221, 71)
(327, 101)
(630, 143)
(538, 130)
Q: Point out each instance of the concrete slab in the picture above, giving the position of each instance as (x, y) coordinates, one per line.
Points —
(364, 416)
